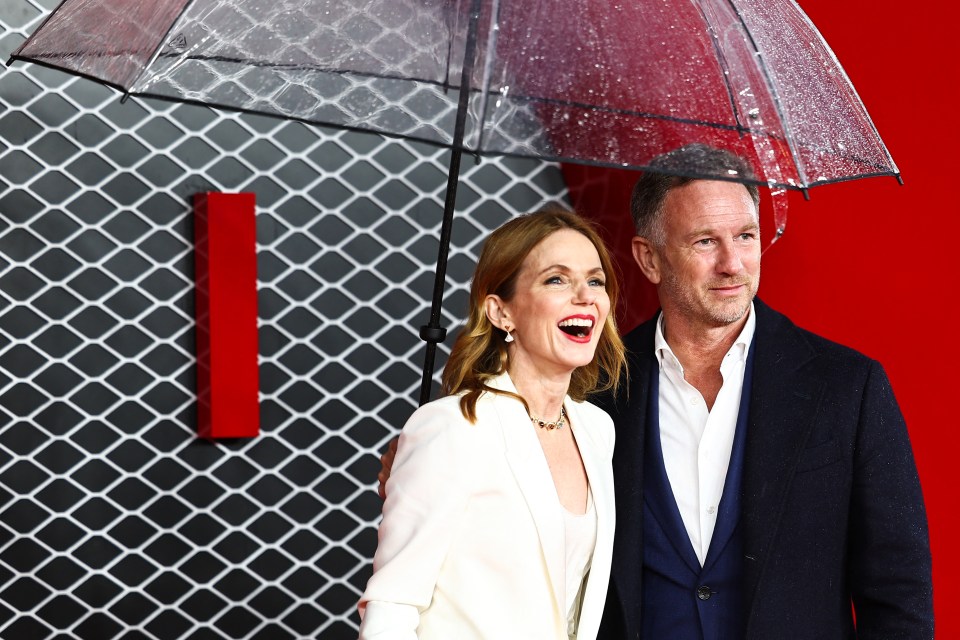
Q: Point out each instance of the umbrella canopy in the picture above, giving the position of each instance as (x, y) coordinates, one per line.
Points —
(587, 81)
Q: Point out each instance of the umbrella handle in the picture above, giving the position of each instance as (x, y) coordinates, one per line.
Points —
(432, 333)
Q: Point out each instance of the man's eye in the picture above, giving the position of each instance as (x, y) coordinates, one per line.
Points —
(747, 236)
(704, 242)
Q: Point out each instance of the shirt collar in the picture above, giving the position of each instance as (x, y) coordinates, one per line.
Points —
(739, 348)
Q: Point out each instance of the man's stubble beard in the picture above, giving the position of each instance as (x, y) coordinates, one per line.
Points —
(699, 308)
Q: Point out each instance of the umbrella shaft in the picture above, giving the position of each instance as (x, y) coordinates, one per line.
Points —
(433, 333)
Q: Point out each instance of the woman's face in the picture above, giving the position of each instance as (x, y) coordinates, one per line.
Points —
(559, 306)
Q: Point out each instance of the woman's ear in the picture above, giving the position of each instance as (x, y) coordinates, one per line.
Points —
(497, 312)
(647, 258)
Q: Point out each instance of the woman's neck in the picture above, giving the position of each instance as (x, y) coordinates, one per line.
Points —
(543, 392)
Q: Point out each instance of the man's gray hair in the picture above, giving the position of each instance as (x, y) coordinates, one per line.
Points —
(674, 169)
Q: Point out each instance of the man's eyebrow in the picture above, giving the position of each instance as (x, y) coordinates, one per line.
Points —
(709, 231)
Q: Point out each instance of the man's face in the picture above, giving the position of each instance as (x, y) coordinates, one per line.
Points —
(708, 270)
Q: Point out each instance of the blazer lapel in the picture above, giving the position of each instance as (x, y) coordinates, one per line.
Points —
(658, 494)
(728, 518)
(629, 411)
(530, 470)
(783, 408)
(597, 465)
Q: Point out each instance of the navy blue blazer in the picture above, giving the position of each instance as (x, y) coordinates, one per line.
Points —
(832, 512)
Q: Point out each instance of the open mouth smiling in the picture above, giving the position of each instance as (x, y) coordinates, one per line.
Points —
(577, 327)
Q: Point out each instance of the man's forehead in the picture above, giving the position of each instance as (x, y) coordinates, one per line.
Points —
(729, 187)
(706, 197)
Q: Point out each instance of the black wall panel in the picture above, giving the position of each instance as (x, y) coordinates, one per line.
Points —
(115, 520)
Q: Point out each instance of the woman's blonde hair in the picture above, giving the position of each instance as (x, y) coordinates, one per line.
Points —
(480, 352)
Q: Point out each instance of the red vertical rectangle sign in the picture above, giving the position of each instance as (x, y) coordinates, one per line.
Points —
(226, 314)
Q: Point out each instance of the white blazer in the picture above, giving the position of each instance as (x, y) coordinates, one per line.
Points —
(471, 545)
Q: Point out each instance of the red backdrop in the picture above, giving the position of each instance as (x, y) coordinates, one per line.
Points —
(869, 263)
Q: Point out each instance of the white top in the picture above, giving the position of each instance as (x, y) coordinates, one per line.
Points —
(580, 538)
(696, 442)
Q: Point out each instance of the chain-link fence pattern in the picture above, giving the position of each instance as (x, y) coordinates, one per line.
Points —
(116, 521)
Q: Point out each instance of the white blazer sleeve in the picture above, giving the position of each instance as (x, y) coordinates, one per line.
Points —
(427, 493)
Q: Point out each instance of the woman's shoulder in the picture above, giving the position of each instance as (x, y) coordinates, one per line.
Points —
(436, 414)
(451, 406)
(445, 415)
(445, 406)
(438, 435)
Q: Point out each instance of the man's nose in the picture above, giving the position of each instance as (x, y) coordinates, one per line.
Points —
(729, 259)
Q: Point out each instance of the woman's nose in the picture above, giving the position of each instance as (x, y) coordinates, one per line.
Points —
(584, 293)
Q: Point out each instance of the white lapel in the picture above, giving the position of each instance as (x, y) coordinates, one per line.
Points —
(596, 461)
(529, 466)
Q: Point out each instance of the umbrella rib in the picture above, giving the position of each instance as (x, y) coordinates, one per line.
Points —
(79, 74)
(777, 104)
(446, 85)
(545, 157)
(740, 128)
(492, 38)
(724, 67)
(16, 54)
(160, 43)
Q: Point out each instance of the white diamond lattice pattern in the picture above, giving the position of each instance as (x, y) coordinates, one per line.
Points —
(116, 521)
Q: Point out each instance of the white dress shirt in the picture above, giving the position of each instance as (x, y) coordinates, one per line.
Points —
(696, 442)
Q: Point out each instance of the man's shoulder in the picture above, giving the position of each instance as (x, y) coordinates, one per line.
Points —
(640, 338)
(777, 331)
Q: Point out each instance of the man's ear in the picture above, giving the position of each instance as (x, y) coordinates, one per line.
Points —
(646, 256)
(497, 312)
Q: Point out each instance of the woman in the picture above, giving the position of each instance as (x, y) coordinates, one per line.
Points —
(499, 513)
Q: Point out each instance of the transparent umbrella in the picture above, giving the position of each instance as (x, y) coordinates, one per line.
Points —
(585, 81)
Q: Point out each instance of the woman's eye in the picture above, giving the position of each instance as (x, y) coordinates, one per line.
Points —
(598, 282)
(554, 280)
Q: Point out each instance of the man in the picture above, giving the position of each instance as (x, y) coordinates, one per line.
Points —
(764, 476)
(765, 485)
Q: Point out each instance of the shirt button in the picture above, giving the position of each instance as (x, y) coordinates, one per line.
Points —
(704, 592)
(693, 400)
(711, 510)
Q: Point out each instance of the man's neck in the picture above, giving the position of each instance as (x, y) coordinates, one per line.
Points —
(700, 350)
(699, 341)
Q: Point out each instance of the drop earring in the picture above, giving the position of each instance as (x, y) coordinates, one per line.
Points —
(508, 337)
